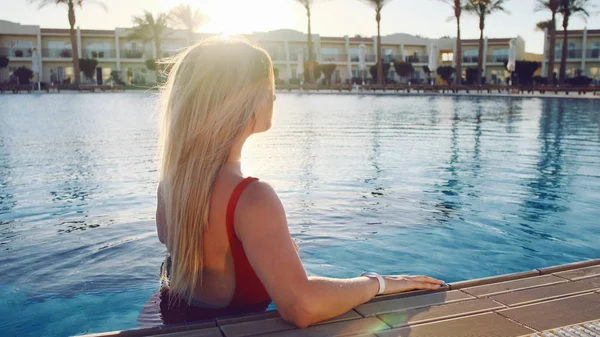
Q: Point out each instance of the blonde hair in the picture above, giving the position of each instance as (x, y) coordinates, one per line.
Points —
(212, 94)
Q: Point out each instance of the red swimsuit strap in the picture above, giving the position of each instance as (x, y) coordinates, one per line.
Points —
(248, 288)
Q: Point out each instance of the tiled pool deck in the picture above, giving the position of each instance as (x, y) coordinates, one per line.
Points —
(555, 301)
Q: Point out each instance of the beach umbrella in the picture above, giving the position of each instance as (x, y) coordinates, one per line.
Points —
(512, 58)
(434, 55)
(362, 65)
(36, 65)
(300, 65)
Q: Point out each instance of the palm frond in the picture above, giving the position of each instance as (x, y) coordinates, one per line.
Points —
(43, 3)
(185, 16)
(98, 3)
(377, 5)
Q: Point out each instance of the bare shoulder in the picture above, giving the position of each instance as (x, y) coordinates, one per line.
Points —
(260, 204)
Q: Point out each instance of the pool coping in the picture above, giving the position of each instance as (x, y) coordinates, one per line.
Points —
(568, 274)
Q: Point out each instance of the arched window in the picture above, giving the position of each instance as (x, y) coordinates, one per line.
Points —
(572, 50)
(595, 50)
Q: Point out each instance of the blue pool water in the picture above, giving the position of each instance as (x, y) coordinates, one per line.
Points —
(456, 188)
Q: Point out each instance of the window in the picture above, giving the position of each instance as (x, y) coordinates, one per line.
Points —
(500, 55)
(595, 50)
(447, 57)
(471, 55)
(330, 54)
(573, 50)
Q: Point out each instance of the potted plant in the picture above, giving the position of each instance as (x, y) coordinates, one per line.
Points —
(95, 54)
(18, 53)
(66, 53)
(101, 54)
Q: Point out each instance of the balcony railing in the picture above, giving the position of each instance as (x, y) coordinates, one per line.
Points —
(497, 58)
(471, 59)
(99, 54)
(277, 56)
(16, 52)
(294, 57)
(574, 53)
(65, 53)
(334, 57)
(370, 58)
(132, 54)
(593, 54)
(417, 59)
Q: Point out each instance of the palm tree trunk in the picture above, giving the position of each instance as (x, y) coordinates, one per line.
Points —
(563, 60)
(75, 51)
(481, 56)
(379, 58)
(552, 47)
(158, 66)
(311, 65)
(458, 56)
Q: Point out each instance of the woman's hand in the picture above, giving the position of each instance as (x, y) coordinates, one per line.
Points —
(401, 283)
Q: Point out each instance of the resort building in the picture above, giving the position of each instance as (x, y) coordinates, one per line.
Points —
(115, 50)
(583, 55)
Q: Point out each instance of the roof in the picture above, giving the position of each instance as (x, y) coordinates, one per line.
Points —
(361, 39)
(332, 39)
(474, 41)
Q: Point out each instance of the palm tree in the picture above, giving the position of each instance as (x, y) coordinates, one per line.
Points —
(552, 6)
(72, 19)
(568, 8)
(483, 8)
(378, 5)
(307, 4)
(187, 18)
(457, 5)
(150, 28)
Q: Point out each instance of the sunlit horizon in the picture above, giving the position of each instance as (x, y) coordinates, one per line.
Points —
(247, 16)
(427, 18)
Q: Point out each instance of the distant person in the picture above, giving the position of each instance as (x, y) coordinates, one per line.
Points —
(230, 250)
(53, 77)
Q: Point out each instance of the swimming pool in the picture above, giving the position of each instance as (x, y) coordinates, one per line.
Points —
(454, 187)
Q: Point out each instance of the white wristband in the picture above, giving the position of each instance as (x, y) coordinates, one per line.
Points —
(380, 279)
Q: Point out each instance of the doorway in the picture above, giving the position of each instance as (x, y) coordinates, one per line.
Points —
(99, 76)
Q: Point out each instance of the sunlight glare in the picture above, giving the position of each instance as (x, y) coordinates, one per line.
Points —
(240, 16)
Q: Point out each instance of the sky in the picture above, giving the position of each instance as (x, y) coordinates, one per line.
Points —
(427, 18)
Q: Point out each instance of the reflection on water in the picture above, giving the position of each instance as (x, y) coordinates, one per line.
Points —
(454, 187)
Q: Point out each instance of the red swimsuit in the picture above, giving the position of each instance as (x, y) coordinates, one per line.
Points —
(249, 290)
(249, 296)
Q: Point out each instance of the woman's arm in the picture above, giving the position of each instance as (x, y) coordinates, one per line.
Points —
(161, 217)
(262, 227)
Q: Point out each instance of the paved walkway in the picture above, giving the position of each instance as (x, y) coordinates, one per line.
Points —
(460, 94)
(556, 301)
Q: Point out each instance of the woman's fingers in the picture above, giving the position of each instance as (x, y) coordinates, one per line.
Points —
(427, 279)
(424, 285)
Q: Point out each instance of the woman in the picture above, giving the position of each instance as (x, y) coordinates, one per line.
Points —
(227, 235)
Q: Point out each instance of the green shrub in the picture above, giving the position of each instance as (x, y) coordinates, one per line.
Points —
(24, 75)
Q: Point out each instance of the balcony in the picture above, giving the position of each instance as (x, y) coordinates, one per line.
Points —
(132, 54)
(417, 59)
(294, 57)
(471, 59)
(64, 53)
(370, 58)
(99, 54)
(574, 54)
(497, 58)
(593, 54)
(277, 56)
(13, 53)
(334, 57)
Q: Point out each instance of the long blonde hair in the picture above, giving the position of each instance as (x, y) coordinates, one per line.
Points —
(212, 93)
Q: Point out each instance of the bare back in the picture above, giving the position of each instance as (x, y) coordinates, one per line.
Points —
(218, 279)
